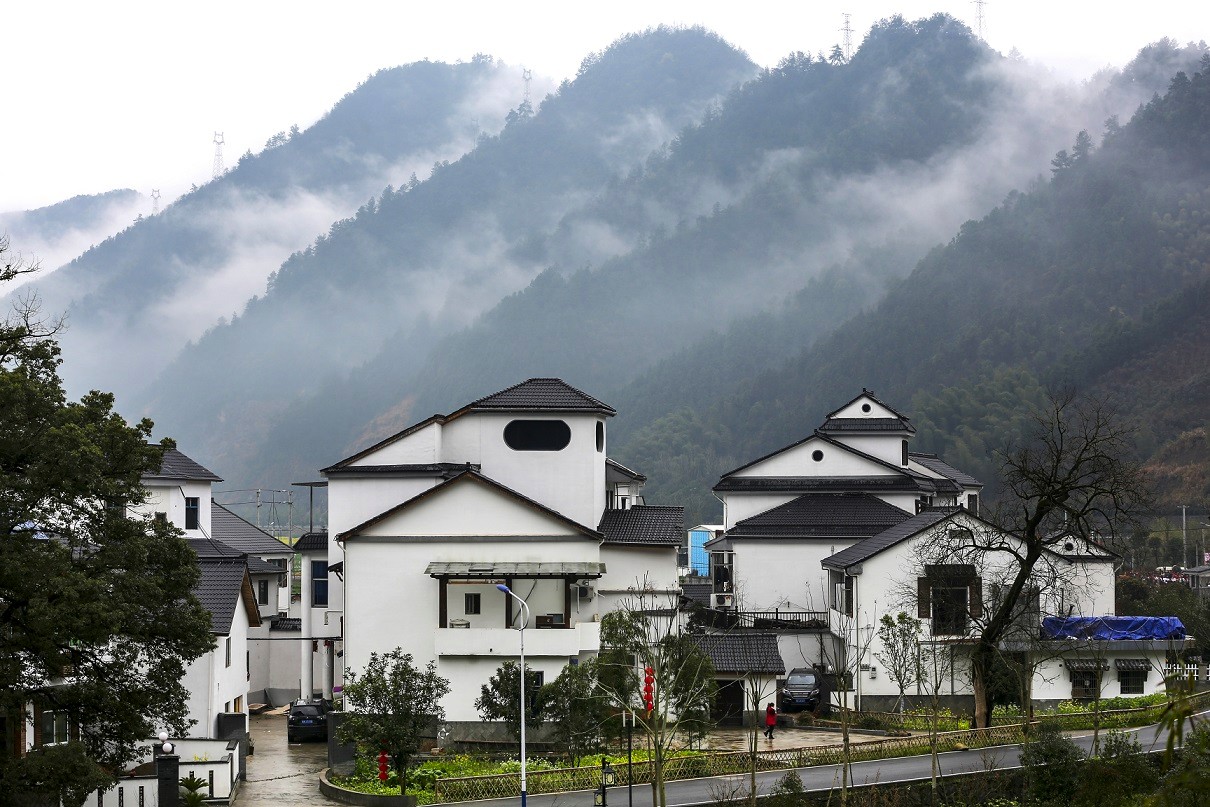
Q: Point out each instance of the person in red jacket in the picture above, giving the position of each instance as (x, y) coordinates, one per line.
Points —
(770, 721)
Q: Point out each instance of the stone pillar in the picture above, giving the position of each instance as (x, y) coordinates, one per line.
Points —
(325, 659)
(168, 779)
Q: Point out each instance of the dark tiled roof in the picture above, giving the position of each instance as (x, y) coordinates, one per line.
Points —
(258, 566)
(644, 524)
(445, 469)
(822, 515)
(542, 394)
(286, 623)
(219, 590)
(867, 425)
(742, 652)
(940, 466)
(210, 548)
(804, 484)
(865, 393)
(241, 535)
(312, 542)
(697, 592)
(870, 547)
(176, 465)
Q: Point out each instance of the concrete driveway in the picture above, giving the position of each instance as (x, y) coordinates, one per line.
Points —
(282, 775)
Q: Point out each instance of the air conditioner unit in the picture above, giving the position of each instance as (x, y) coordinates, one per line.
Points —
(723, 600)
(584, 591)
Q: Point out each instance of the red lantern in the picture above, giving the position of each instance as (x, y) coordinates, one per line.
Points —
(382, 766)
(648, 689)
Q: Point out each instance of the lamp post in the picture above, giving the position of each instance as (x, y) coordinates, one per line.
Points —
(524, 622)
(167, 772)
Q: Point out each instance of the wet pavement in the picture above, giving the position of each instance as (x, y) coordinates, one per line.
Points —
(282, 774)
(279, 774)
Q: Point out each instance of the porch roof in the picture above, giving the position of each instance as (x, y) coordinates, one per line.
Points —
(477, 570)
(1085, 664)
(1132, 664)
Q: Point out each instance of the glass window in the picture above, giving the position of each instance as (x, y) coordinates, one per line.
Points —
(537, 435)
(191, 512)
(471, 604)
(1133, 681)
(262, 592)
(319, 584)
(54, 727)
(949, 610)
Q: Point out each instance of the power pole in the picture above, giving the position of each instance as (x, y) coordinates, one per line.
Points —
(526, 76)
(218, 154)
(847, 30)
(155, 201)
(1184, 541)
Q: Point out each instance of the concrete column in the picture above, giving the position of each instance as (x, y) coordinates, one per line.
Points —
(307, 658)
(326, 658)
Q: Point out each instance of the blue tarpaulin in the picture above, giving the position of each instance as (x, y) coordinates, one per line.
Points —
(1112, 627)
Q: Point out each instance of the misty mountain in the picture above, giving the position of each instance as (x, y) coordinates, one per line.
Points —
(135, 299)
(423, 260)
(792, 206)
(1096, 278)
(53, 235)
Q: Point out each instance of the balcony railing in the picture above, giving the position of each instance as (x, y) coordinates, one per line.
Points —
(766, 620)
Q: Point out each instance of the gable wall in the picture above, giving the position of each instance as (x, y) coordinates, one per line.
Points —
(168, 497)
(797, 461)
(769, 573)
(886, 447)
(421, 447)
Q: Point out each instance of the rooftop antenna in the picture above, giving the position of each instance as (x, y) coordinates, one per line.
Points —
(847, 30)
(979, 4)
(218, 154)
(526, 76)
(155, 201)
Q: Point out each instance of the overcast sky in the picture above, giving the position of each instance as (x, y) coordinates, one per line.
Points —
(104, 95)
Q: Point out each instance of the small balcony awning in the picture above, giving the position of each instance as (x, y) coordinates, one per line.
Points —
(1085, 664)
(493, 570)
(1131, 664)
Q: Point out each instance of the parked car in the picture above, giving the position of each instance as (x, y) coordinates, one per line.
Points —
(801, 691)
(308, 719)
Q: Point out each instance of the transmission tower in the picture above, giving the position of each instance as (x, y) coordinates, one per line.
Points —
(218, 154)
(526, 76)
(155, 201)
(979, 4)
(847, 30)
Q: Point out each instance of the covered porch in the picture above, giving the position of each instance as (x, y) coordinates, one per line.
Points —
(555, 591)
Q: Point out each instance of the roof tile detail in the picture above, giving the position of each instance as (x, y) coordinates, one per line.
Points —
(741, 652)
(549, 394)
(176, 465)
(822, 515)
(644, 524)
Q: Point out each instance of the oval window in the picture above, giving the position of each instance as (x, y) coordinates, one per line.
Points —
(537, 435)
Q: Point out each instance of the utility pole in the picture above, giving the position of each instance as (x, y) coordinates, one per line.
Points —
(155, 201)
(1184, 541)
(527, 76)
(979, 4)
(847, 30)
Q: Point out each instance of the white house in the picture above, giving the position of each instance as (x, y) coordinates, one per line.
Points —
(828, 534)
(515, 489)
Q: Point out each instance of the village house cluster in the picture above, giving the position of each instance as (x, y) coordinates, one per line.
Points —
(819, 540)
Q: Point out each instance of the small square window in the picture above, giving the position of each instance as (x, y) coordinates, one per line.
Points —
(1133, 681)
(471, 602)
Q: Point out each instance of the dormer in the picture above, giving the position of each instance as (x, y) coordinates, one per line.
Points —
(870, 426)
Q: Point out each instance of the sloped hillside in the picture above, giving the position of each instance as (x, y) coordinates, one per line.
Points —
(136, 298)
(1079, 281)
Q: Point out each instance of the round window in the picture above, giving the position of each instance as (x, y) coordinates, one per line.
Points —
(817, 455)
(865, 407)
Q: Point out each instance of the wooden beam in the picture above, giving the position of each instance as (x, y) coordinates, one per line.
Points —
(567, 602)
(508, 604)
(442, 602)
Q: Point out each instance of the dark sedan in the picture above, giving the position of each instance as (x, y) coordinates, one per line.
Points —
(308, 720)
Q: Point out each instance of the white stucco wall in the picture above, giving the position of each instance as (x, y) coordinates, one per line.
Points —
(421, 447)
(169, 498)
(212, 683)
(798, 461)
(770, 573)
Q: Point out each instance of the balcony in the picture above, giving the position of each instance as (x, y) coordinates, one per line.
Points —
(504, 642)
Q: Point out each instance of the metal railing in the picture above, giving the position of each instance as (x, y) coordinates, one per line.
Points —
(765, 620)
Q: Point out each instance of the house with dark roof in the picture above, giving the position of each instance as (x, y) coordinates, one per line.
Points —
(515, 488)
(848, 524)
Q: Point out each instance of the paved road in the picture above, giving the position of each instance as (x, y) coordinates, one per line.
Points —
(281, 774)
(694, 792)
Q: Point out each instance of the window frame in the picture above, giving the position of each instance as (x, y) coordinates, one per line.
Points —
(319, 584)
(472, 603)
(193, 512)
(1137, 679)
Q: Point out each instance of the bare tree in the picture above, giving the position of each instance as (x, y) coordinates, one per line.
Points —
(936, 667)
(900, 637)
(644, 635)
(1070, 481)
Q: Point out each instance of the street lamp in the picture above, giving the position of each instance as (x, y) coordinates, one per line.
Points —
(524, 622)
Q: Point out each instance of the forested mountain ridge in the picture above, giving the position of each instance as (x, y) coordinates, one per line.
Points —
(54, 234)
(1096, 278)
(421, 261)
(137, 297)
